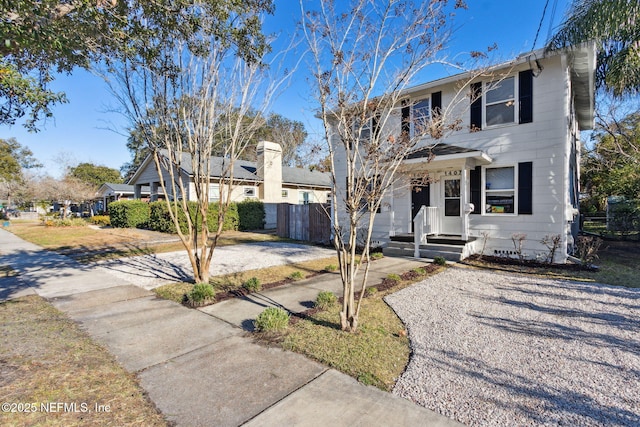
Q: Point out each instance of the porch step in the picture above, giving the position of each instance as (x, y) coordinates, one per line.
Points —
(405, 249)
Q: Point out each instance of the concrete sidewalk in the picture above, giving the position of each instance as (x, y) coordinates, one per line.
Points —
(198, 368)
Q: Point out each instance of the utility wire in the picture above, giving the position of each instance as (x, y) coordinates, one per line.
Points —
(544, 11)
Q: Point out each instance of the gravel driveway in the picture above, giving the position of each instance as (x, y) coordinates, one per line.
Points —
(151, 271)
(491, 349)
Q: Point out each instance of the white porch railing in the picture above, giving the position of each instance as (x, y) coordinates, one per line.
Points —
(426, 221)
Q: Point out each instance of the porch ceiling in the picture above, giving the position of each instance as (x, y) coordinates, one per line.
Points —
(443, 156)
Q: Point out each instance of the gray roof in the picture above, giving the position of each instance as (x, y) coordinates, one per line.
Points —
(439, 150)
(123, 188)
(246, 170)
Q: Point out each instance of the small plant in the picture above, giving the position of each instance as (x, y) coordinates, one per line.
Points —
(587, 248)
(485, 238)
(393, 278)
(420, 271)
(102, 220)
(252, 285)
(371, 291)
(376, 255)
(326, 299)
(439, 260)
(331, 267)
(201, 294)
(272, 319)
(552, 242)
(518, 241)
(296, 275)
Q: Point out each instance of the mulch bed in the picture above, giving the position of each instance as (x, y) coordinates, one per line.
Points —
(496, 261)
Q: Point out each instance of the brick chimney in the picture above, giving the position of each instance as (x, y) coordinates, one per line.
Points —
(269, 170)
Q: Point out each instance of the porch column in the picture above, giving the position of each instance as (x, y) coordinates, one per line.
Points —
(464, 201)
(391, 211)
(137, 191)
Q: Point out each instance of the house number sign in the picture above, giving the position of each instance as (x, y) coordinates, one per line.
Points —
(452, 173)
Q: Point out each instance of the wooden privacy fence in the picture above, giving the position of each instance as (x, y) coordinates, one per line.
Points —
(305, 222)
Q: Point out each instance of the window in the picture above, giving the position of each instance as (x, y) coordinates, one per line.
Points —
(500, 102)
(305, 197)
(214, 192)
(285, 194)
(249, 192)
(420, 115)
(500, 190)
(452, 197)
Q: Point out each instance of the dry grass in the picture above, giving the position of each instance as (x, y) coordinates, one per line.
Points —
(619, 265)
(87, 244)
(231, 282)
(46, 358)
(376, 354)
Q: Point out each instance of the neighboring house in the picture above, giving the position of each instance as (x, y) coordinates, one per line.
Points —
(109, 192)
(266, 180)
(512, 168)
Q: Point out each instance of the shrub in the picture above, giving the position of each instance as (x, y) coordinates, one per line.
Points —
(371, 291)
(272, 319)
(393, 278)
(420, 271)
(201, 294)
(439, 260)
(296, 275)
(103, 220)
(377, 255)
(331, 267)
(252, 285)
(160, 219)
(67, 222)
(325, 299)
(251, 215)
(129, 213)
(587, 249)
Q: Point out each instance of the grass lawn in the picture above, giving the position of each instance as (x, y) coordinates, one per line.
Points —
(45, 358)
(375, 355)
(87, 244)
(618, 262)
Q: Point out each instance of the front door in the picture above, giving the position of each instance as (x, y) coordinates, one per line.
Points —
(419, 197)
(451, 220)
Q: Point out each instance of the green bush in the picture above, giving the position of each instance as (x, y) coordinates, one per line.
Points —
(377, 255)
(439, 260)
(129, 213)
(160, 220)
(251, 215)
(100, 220)
(272, 319)
(296, 275)
(252, 285)
(371, 291)
(393, 278)
(326, 299)
(331, 267)
(419, 270)
(201, 294)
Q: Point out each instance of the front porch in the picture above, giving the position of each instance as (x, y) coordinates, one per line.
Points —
(449, 247)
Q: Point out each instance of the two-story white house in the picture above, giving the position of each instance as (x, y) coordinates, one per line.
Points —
(512, 166)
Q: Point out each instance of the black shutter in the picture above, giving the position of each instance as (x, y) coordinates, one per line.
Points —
(525, 188)
(406, 120)
(525, 95)
(476, 106)
(476, 190)
(436, 104)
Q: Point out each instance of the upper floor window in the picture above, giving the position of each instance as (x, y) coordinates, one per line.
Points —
(305, 197)
(420, 116)
(500, 102)
(249, 192)
(285, 194)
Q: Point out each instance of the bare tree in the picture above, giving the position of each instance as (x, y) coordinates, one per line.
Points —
(363, 55)
(66, 191)
(199, 96)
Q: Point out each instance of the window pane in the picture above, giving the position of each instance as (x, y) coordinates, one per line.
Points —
(421, 109)
(452, 207)
(501, 90)
(500, 203)
(501, 113)
(500, 179)
(452, 188)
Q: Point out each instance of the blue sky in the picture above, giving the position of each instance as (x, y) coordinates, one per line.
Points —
(82, 130)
